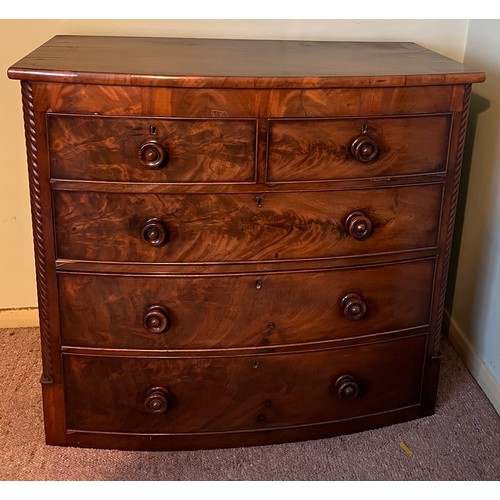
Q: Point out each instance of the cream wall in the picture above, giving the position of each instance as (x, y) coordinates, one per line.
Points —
(19, 37)
(475, 328)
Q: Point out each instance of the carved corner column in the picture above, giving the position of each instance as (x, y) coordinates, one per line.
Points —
(455, 185)
(38, 236)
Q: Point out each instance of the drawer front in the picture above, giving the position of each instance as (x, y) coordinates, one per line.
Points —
(264, 103)
(315, 150)
(243, 311)
(175, 395)
(235, 227)
(152, 149)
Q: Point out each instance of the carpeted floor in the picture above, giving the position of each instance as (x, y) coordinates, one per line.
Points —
(460, 442)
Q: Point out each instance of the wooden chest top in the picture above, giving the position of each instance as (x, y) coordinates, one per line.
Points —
(180, 62)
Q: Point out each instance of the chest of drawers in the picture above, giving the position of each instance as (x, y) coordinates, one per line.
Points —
(239, 242)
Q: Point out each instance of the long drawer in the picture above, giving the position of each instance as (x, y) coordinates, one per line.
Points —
(101, 226)
(176, 395)
(152, 149)
(206, 312)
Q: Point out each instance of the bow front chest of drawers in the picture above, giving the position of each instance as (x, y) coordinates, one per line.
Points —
(239, 242)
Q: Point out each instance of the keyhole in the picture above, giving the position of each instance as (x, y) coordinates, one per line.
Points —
(258, 199)
(153, 129)
(364, 129)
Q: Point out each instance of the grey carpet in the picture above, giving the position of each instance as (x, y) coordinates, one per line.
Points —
(460, 442)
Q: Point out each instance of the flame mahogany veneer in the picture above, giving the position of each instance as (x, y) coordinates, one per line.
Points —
(239, 242)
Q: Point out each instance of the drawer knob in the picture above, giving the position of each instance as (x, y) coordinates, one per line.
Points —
(354, 306)
(155, 233)
(364, 149)
(156, 400)
(156, 319)
(153, 155)
(359, 226)
(347, 387)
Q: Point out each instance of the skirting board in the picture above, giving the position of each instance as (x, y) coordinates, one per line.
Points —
(476, 366)
(19, 318)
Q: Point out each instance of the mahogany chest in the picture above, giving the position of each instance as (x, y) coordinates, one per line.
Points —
(239, 242)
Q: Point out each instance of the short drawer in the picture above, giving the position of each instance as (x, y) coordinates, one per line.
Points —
(328, 149)
(152, 149)
(122, 227)
(243, 311)
(176, 395)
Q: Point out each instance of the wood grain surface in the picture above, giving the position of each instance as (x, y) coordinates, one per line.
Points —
(321, 149)
(113, 100)
(214, 312)
(109, 149)
(105, 393)
(206, 228)
(237, 63)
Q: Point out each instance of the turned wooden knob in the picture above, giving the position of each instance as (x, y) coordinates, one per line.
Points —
(354, 306)
(153, 155)
(156, 400)
(364, 149)
(156, 319)
(359, 226)
(347, 387)
(154, 233)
